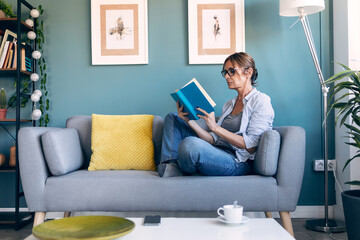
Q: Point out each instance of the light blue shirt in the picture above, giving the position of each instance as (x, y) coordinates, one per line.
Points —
(258, 116)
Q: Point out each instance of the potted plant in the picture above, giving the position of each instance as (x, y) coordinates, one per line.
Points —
(6, 10)
(3, 106)
(348, 105)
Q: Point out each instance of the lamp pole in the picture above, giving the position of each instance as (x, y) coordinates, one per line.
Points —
(322, 225)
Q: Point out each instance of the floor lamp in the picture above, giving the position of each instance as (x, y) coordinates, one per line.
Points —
(301, 8)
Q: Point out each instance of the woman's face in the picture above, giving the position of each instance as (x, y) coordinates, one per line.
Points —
(239, 79)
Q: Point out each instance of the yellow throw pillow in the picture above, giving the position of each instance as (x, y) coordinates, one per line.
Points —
(122, 142)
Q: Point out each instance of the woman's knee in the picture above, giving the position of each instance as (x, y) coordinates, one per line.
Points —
(191, 145)
(191, 148)
(170, 116)
(173, 119)
(187, 154)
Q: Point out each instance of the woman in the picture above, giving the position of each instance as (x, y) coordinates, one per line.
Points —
(229, 148)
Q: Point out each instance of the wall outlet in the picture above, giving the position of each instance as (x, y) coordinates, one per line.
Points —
(319, 165)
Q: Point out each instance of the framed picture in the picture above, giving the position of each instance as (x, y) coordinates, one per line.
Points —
(8, 36)
(216, 30)
(119, 32)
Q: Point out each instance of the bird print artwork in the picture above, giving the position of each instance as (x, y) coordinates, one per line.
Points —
(120, 30)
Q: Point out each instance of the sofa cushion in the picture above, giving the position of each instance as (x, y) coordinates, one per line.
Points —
(59, 161)
(122, 142)
(145, 191)
(83, 124)
(267, 154)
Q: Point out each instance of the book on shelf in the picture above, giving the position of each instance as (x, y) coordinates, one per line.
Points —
(6, 61)
(1, 35)
(8, 36)
(8, 53)
(14, 64)
(8, 65)
(191, 96)
(3, 54)
(26, 63)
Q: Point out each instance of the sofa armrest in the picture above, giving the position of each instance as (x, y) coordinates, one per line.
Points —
(291, 165)
(33, 168)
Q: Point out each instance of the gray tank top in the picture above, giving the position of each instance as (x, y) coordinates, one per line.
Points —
(232, 124)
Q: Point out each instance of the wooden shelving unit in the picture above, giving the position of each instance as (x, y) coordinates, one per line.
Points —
(19, 27)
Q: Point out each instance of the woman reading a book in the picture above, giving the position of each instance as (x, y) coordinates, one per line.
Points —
(229, 148)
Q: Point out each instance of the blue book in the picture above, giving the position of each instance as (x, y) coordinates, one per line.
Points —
(191, 96)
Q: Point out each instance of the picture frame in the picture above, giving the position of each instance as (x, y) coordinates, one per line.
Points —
(6, 38)
(216, 30)
(119, 32)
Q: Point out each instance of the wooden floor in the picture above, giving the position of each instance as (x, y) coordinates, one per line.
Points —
(301, 233)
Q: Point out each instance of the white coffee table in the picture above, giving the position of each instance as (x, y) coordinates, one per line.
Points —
(206, 228)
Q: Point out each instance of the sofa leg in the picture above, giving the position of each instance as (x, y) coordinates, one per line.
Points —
(268, 214)
(286, 221)
(39, 218)
(67, 214)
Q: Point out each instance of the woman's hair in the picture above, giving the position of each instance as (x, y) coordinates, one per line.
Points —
(244, 60)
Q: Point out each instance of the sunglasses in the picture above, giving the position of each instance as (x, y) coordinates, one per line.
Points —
(231, 72)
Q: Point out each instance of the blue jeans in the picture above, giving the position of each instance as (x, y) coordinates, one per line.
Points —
(193, 154)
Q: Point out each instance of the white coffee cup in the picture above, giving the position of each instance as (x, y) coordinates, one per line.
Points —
(231, 213)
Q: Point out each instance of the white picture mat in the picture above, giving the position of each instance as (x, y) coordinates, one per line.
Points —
(194, 57)
(97, 58)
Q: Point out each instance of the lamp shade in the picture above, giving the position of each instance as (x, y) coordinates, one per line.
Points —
(289, 8)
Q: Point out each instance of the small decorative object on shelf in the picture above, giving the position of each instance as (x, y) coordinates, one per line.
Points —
(36, 54)
(6, 9)
(31, 35)
(2, 159)
(12, 158)
(29, 22)
(34, 77)
(3, 105)
(34, 13)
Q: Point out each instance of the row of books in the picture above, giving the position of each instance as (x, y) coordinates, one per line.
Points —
(8, 52)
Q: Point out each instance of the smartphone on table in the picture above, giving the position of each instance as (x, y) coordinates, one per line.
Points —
(152, 220)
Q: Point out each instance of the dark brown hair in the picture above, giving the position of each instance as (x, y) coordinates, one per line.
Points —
(244, 60)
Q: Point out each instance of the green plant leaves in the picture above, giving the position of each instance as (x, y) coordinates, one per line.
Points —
(347, 85)
(7, 9)
(357, 183)
(44, 103)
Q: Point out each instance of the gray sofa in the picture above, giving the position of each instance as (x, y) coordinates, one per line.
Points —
(141, 191)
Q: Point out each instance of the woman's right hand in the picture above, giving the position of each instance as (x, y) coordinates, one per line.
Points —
(181, 114)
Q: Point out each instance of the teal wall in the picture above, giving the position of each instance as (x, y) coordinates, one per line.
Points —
(286, 72)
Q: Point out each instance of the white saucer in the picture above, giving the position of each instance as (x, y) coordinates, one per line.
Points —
(243, 220)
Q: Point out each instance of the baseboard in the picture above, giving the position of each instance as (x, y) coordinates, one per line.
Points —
(300, 212)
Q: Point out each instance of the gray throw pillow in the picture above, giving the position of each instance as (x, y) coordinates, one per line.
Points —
(62, 151)
(267, 154)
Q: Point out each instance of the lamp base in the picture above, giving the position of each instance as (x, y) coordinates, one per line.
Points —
(319, 225)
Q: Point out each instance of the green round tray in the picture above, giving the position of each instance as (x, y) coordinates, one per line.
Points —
(84, 227)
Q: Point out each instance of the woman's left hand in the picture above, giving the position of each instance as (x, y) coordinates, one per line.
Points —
(209, 119)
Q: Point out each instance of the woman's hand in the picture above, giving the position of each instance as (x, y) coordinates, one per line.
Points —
(181, 114)
(209, 119)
